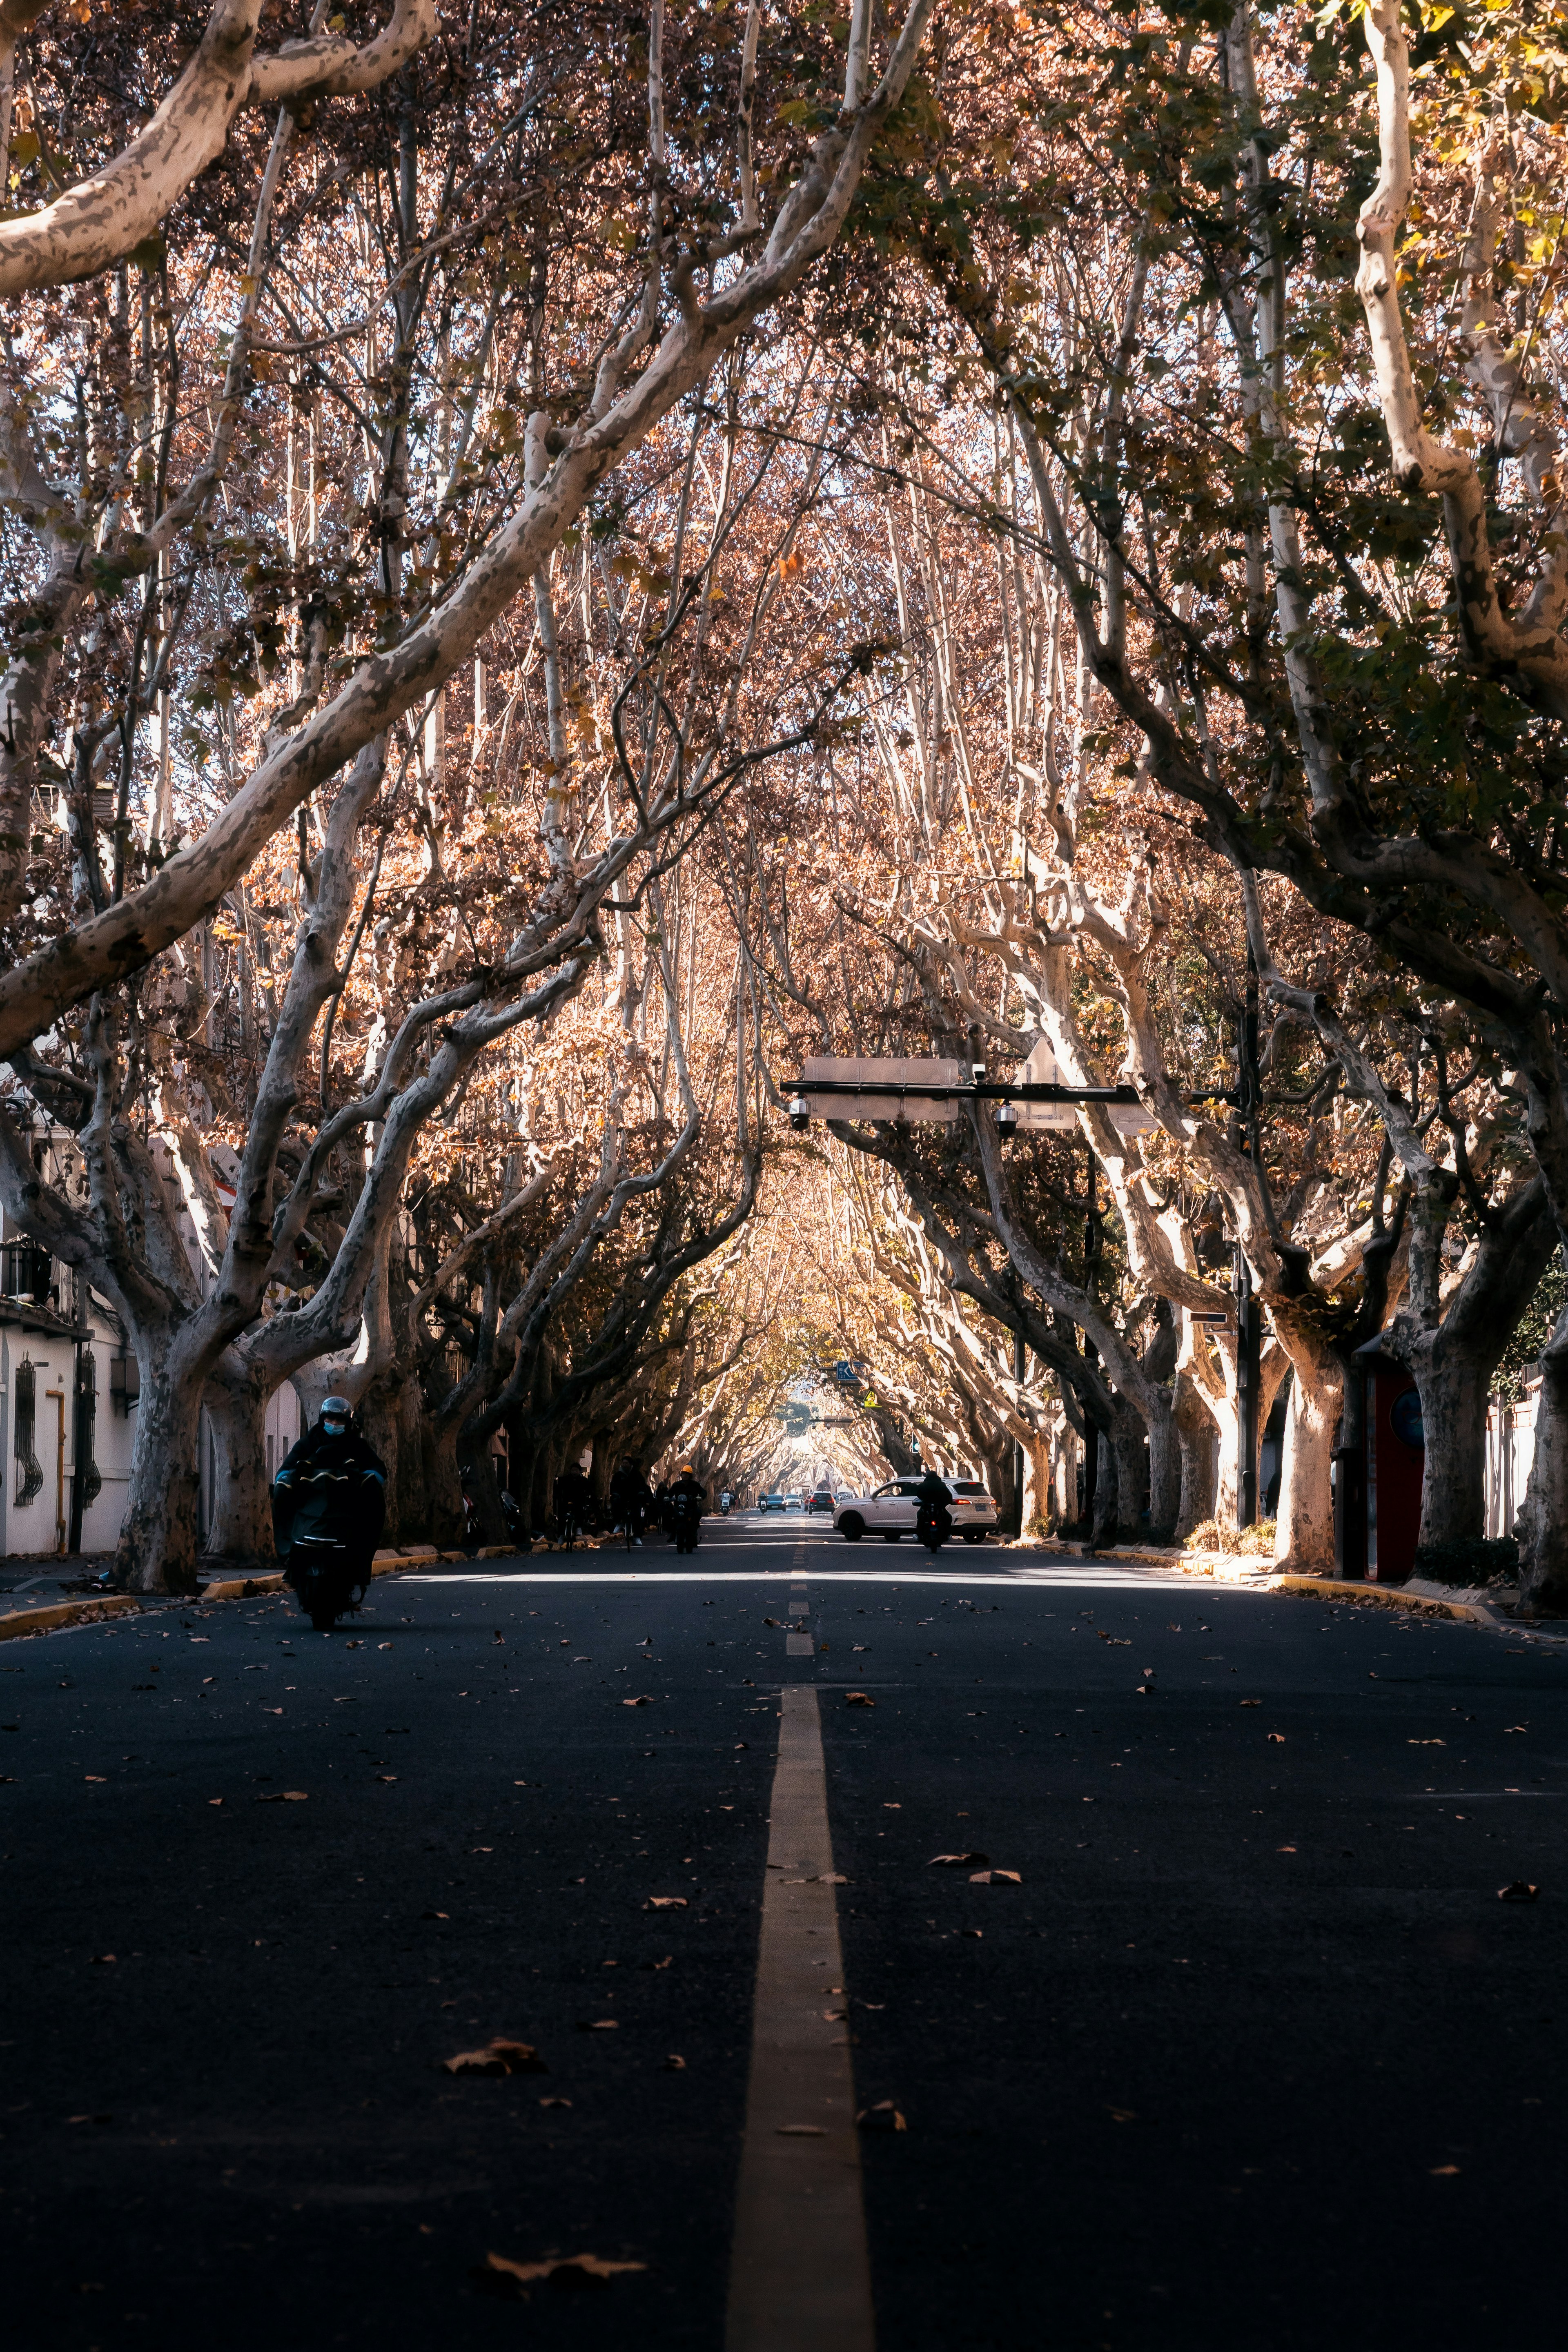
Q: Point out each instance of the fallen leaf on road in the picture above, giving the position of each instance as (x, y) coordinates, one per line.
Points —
(103, 1959)
(883, 2118)
(555, 2102)
(1425, 1743)
(665, 1903)
(1115, 1642)
(214, 1801)
(1520, 1890)
(996, 1879)
(90, 2119)
(655, 1965)
(1123, 2115)
(674, 2065)
(598, 2025)
(296, 1796)
(741, 1745)
(835, 2016)
(1284, 1849)
(857, 1648)
(637, 1702)
(957, 1860)
(1251, 1702)
(1277, 1738)
(387, 1776)
(830, 1878)
(1442, 2171)
(800, 2131)
(511, 2281)
(773, 1621)
(1507, 1727)
(500, 2057)
(435, 1914)
(858, 1698)
(98, 1777)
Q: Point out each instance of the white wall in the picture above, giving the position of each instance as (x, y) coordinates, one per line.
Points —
(1510, 1450)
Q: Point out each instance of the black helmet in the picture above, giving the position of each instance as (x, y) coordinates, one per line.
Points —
(335, 1412)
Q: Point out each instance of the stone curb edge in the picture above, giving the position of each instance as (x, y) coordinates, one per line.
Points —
(1474, 1612)
(50, 1615)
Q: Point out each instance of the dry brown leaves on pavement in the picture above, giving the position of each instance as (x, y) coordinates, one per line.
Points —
(498, 2275)
(500, 2056)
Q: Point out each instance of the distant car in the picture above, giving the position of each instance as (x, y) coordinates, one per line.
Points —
(891, 1511)
(822, 1500)
(794, 1500)
(770, 1503)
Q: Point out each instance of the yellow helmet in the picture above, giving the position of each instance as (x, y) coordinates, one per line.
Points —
(686, 1470)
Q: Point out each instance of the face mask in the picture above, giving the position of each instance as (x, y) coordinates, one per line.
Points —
(334, 1428)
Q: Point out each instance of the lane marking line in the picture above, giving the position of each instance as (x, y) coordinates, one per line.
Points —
(800, 2273)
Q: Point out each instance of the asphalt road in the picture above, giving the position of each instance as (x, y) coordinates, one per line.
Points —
(1250, 2055)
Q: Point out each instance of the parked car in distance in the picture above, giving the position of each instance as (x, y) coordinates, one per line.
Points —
(770, 1502)
(891, 1510)
(822, 1500)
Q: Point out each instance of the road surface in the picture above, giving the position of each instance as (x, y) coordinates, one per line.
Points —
(1248, 2053)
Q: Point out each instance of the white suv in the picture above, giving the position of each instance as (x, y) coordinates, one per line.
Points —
(891, 1511)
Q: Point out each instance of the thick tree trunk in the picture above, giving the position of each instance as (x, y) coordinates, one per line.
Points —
(1128, 1431)
(480, 1480)
(157, 1550)
(443, 1484)
(1103, 1517)
(1165, 1472)
(1195, 1437)
(240, 1534)
(1542, 1522)
(1040, 1511)
(1066, 1446)
(1304, 1536)
(1454, 1382)
(391, 1413)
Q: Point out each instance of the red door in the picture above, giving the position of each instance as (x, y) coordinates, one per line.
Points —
(1396, 1459)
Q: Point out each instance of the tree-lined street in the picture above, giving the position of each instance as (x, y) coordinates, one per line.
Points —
(1236, 2058)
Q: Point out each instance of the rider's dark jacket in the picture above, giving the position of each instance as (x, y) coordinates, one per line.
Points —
(330, 1490)
(932, 1495)
(687, 1494)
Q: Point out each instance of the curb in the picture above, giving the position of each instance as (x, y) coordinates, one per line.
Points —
(251, 1588)
(49, 1616)
(1376, 1596)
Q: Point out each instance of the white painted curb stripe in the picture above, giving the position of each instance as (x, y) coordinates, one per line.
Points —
(800, 2275)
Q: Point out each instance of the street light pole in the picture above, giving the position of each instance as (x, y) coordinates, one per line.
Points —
(1018, 1450)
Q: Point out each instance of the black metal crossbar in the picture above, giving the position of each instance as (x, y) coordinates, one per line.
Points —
(985, 1091)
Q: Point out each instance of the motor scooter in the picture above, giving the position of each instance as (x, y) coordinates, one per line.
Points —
(685, 1521)
(327, 1579)
(934, 1526)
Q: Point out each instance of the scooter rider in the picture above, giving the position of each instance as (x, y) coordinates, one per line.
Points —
(933, 1520)
(688, 1501)
(329, 1502)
